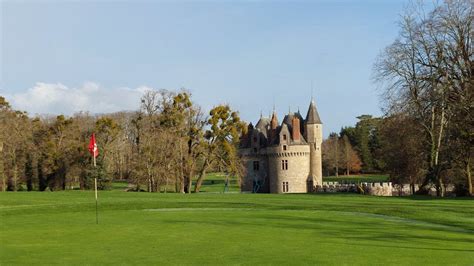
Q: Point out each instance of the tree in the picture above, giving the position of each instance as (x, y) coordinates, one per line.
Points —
(4, 111)
(2, 168)
(31, 172)
(364, 128)
(153, 141)
(365, 140)
(402, 150)
(107, 132)
(166, 135)
(338, 154)
(331, 154)
(61, 150)
(186, 121)
(15, 147)
(221, 142)
(350, 158)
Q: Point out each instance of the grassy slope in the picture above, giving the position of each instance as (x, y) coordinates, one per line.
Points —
(357, 178)
(214, 182)
(146, 228)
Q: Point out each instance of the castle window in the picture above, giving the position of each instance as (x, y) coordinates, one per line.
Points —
(256, 165)
(284, 136)
(285, 187)
(254, 149)
(284, 164)
(284, 147)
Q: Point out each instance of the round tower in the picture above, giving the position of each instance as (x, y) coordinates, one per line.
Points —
(288, 162)
(314, 137)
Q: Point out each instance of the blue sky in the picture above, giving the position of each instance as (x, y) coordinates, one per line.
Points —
(63, 57)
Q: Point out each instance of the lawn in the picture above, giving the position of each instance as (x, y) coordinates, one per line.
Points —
(232, 228)
(369, 178)
(214, 182)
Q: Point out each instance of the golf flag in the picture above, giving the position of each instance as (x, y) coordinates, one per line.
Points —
(93, 146)
(94, 152)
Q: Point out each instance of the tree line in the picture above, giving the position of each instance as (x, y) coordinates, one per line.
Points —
(426, 135)
(354, 150)
(166, 143)
(392, 145)
(426, 78)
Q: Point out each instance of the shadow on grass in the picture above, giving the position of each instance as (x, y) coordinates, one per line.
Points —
(349, 230)
(410, 247)
(426, 197)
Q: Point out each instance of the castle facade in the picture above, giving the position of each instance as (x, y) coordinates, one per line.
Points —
(283, 158)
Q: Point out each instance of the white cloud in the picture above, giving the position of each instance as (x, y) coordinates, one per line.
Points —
(49, 98)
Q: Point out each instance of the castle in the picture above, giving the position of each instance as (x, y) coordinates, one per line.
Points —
(283, 158)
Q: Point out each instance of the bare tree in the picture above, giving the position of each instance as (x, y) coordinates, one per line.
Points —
(427, 74)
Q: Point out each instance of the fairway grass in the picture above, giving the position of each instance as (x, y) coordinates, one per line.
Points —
(250, 229)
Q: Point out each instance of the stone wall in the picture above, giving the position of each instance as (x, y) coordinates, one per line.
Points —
(376, 189)
(252, 176)
(403, 189)
(332, 187)
(406, 190)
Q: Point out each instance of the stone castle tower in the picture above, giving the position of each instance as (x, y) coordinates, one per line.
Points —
(283, 158)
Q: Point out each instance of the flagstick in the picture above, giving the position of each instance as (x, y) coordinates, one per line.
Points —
(96, 204)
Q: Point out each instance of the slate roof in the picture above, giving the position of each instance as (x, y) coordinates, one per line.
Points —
(263, 127)
(312, 117)
(263, 124)
(287, 119)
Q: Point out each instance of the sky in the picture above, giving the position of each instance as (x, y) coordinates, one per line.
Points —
(100, 56)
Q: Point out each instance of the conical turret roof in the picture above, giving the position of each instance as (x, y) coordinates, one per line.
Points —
(262, 123)
(312, 117)
(288, 118)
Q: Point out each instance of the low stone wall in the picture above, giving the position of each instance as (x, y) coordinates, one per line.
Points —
(376, 189)
(404, 189)
(332, 187)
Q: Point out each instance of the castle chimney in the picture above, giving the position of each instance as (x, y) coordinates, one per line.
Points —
(245, 139)
(273, 127)
(274, 122)
(295, 124)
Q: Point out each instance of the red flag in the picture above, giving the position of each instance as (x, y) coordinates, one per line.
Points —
(93, 147)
